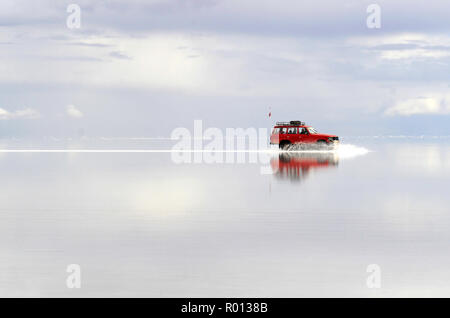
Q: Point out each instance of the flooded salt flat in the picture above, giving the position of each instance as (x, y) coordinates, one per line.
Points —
(308, 224)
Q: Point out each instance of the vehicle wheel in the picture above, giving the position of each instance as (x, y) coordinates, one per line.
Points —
(284, 145)
(321, 144)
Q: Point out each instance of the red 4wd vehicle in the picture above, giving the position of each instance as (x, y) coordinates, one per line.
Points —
(296, 132)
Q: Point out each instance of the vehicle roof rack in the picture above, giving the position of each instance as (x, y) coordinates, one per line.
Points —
(291, 123)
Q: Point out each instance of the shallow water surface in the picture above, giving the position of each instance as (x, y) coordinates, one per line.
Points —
(307, 224)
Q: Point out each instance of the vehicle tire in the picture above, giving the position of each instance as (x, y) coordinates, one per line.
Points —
(321, 144)
(284, 144)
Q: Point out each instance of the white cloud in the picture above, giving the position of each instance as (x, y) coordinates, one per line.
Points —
(3, 113)
(406, 46)
(414, 54)
(23, 113)
(72, 111)
(419, 105)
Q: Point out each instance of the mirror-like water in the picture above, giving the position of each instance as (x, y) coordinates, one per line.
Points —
(139, 224)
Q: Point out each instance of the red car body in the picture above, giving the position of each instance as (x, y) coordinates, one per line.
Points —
(296, 132)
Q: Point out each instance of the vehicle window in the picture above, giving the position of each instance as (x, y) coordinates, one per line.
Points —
(312, 130)
(292, 130)
(276, 131)
(282, 130)
(303, 131)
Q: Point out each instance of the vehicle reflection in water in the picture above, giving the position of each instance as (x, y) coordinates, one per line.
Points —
(297, 166)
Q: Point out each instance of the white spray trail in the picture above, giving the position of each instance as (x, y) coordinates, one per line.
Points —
(346, 151)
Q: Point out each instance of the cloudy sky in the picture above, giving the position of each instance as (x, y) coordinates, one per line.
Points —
(143, 68)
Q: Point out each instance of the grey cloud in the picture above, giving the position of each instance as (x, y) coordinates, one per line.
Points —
(89, 44)
(293, 18)
(409, 46)
(320, 78)
(73, 58)
(438, 47)
(396, 46)
(119, 55)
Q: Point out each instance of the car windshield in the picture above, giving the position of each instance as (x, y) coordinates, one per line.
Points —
(312, 130)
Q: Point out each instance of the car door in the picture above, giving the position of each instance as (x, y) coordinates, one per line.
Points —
(292, 134)
(303, 135)
(282, 135)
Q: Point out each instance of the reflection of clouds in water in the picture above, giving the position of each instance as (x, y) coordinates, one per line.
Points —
(226, 224)
(419, 159)
(2, 154)
(170, 196)
(409, 212)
